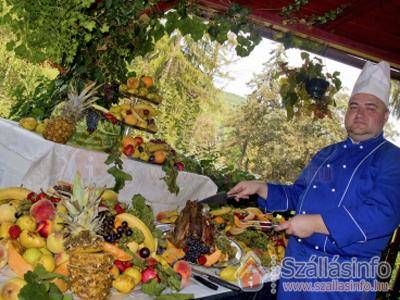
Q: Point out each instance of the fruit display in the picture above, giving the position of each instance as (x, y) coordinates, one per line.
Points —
(140, 115)
(83, 239)
(154, 151)
(143, 88)
(86, 235)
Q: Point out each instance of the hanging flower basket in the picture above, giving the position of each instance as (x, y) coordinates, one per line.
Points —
(308, 89)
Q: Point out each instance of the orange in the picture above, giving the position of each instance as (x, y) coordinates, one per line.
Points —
(128, 140)
(132, 83)
(219, 220)
(147, 80)
(159, 157)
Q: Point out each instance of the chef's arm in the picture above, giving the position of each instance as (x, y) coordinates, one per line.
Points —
(304, 225)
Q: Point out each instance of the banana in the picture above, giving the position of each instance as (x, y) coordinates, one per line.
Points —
(18, 193)
(136, 222)
(143, 106)
(151, 147)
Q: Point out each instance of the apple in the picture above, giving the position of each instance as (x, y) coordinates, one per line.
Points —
(134, 273)
(124, 284)
(32, 255)
(11, 288)
(48, 262)
(55, 242)
(109, 195)
(44, 228)
(26, 222)
(4, 230)
(138, 140)
(31, 240)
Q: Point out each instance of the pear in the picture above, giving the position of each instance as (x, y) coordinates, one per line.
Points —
(7, 212)
(31, 240)
(4, 228)
(55, 242)
(48, 262)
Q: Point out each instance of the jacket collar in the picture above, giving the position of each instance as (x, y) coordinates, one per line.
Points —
(365, 144)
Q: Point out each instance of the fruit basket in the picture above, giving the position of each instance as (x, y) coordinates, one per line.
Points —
(141, 88)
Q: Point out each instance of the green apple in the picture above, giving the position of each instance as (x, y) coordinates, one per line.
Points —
(134, 273)
(31, 240)
(55, 242)
(48, 262)
(32, 255)
(11, 288)
(26, 222)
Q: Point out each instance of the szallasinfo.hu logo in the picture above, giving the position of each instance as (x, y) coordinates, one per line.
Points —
(332, 268)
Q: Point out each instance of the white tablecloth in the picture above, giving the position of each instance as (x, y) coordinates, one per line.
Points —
(26, 158)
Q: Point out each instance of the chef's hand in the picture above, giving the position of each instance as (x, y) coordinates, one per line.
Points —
(304, 226)
(246, 188)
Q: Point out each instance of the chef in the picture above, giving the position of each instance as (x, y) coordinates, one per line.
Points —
(347, 203)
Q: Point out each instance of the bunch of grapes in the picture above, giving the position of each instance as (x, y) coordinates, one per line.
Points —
(194, 249)
(108, 230)
(92, 119)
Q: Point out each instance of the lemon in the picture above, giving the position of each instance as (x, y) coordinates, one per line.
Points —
(228, 273)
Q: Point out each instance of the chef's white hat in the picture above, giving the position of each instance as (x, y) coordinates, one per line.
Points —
(374, 79)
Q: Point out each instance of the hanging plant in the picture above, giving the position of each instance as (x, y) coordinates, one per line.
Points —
(308, 89)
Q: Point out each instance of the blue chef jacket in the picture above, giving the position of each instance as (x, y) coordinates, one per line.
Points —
(355, 187)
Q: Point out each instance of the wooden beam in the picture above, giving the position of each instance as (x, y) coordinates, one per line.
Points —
(355, 9)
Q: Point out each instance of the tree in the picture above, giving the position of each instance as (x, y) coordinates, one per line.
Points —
(184, 71)
(264, 142)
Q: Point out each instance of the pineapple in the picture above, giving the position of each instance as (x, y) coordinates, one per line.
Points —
(89, 266)
(60, 128)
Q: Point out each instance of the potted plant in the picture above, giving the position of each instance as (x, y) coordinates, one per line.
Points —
(308, 89)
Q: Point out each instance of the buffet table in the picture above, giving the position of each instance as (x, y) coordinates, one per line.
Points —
(28, 159)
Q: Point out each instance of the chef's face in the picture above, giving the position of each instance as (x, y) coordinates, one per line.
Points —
(365, 117)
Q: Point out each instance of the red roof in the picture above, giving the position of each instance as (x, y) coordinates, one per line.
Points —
(369, 29)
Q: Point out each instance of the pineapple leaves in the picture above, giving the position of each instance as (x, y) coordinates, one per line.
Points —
(78, 191)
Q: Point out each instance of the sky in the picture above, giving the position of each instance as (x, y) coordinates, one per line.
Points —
(243, 70)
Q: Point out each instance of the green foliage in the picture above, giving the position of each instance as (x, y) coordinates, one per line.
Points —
(16, 74)
(116, 170)
(40, 287)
